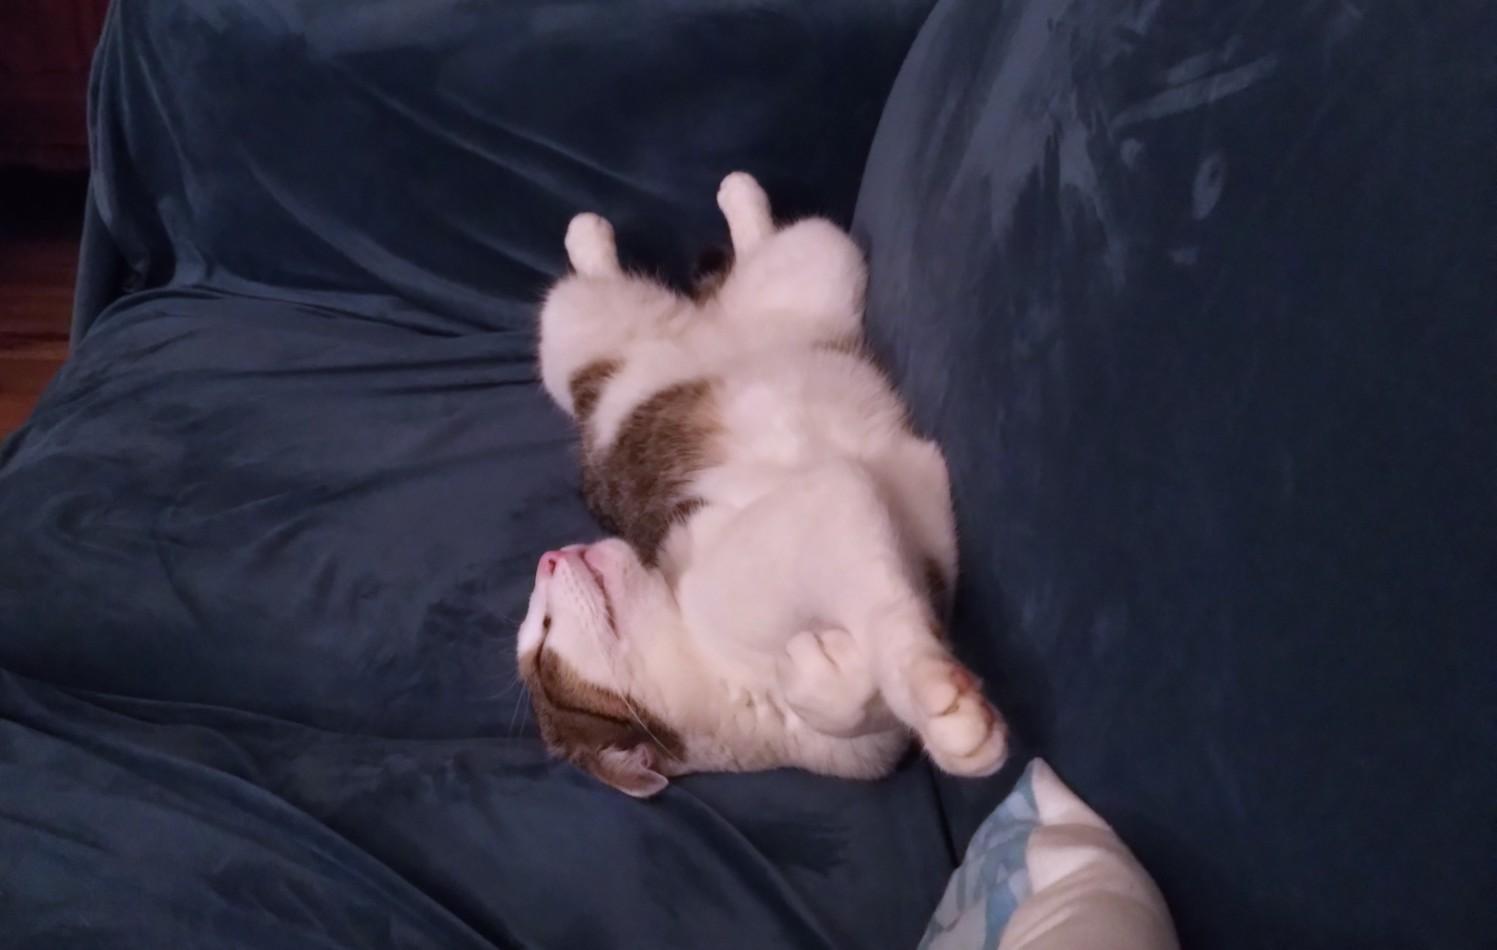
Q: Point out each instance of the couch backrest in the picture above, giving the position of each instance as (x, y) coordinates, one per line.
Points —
(1199, 299)
(423, 156)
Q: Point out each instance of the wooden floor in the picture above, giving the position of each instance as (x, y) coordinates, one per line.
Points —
(40, 217)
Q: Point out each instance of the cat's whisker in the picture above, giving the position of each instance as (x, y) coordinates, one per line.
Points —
(620, 687)
(503, 693)
(519, 704)
(634, 714)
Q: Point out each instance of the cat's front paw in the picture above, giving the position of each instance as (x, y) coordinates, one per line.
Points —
(961, 730)
(590, 246)
(829, 682)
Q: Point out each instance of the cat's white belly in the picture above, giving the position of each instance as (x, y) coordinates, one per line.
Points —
(750, 616)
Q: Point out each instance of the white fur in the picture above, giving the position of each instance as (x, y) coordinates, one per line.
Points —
(789, 617)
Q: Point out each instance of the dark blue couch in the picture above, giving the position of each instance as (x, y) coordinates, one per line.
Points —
(1198, 297)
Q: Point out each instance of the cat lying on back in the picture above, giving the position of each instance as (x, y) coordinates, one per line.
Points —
(786, 542)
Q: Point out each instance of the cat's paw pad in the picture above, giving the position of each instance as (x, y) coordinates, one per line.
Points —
(962, 732)
(590, 246)
(828, 681)
(746, 208)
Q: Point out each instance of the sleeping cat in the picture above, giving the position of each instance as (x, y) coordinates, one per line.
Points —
(786, 543)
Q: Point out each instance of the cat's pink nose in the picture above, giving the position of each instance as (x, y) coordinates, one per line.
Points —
(549, 560)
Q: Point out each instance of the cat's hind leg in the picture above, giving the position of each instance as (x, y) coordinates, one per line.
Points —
(805, 280)
(589, 316)
(590, 246)
(746, 208)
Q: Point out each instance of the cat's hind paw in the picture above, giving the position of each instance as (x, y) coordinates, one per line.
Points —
(962, 732)
(590, 246)
(746, 208)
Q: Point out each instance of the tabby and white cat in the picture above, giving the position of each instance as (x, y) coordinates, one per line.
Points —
(786, 542)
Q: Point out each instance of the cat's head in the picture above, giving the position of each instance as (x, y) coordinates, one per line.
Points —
(589, 651)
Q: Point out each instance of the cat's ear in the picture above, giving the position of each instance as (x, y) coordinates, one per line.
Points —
(631, 771)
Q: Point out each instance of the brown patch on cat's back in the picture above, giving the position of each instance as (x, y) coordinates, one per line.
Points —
(639, 485)
(587, 387)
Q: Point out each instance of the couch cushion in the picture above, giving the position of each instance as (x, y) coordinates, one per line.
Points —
(1199, 299)
(267, 537)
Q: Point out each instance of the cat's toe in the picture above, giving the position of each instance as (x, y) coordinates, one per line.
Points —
(806, 658)
(937, 684)
(963, 733)
(590, 245)
(828, 683)
(984, 758)
(843, 653)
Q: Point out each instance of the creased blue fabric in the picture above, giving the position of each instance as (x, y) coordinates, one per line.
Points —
(421, 157)
(127, 823)
(1199, 298)
(268, 534)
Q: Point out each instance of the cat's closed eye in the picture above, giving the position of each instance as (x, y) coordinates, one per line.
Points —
(546, 623)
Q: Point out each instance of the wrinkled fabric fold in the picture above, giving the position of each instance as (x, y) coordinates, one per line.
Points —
(269, 533)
